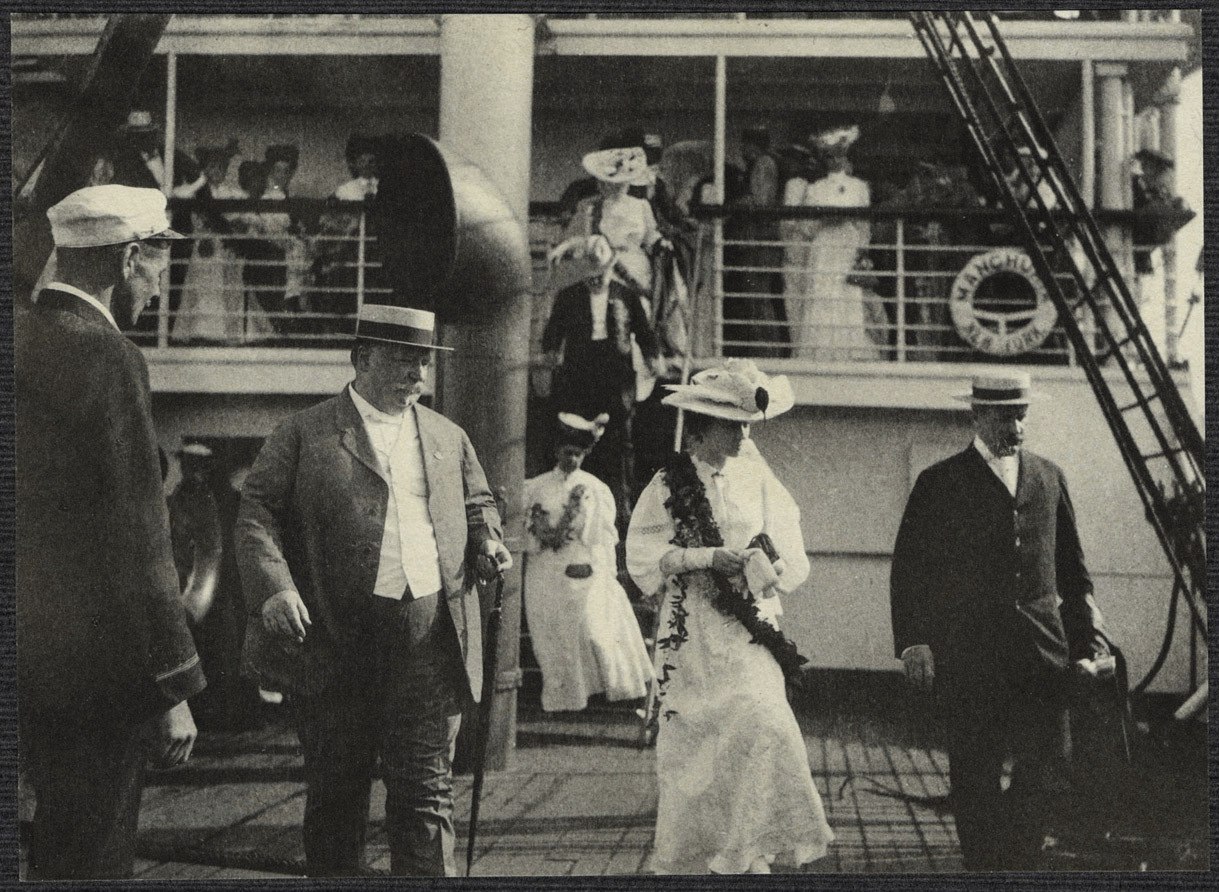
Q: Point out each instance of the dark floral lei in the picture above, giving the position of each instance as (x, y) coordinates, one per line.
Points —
(558, 536)
(696, 527)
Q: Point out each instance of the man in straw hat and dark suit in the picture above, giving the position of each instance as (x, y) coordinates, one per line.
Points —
(105, 660)
(992, 607)
(360, 528)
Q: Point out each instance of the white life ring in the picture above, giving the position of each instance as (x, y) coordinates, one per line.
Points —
(1001, 333)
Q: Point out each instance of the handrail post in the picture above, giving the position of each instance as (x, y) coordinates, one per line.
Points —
(721, 127)
(360, 258)
(900, 272)
(171, 137)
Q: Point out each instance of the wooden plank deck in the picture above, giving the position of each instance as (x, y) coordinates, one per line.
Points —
(579, 798)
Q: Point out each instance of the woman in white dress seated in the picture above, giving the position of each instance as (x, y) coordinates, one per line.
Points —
(719, 537)
(584, 632)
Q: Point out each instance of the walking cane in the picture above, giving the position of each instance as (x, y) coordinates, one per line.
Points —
(490, 654)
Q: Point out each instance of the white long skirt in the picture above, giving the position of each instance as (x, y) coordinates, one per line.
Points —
(734, 778)
(584, 633)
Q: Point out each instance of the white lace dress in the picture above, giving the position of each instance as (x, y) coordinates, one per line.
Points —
(584, 633)
(734, 779)
(829, 310)
(213, 298)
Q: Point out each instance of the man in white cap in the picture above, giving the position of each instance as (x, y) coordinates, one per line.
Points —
(361, 528)
(104, 652)
(992, 607)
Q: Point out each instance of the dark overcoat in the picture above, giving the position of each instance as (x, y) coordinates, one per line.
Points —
(101, 633)
(312, 517)
(986, 579)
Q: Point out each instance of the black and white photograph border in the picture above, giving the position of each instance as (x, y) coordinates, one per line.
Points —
(822, 390)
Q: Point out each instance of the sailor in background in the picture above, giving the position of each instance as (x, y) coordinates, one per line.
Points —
(105, 660)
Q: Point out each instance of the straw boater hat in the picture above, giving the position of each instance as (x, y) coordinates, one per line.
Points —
(194, 450)
(139, 121)
(836, 140)
(109, 215)
(579, 258)
(736, 390)
(623, 165)
(575, 430)
(397, 325)
(1000, 389)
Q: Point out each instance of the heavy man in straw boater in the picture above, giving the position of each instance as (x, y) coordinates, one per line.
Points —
(718, 535)
(362, 526)
(991, 604)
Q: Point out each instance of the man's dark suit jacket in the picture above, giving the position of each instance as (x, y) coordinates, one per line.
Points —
(311, 520)
(978, 575)
(570, 325)
(101, 633)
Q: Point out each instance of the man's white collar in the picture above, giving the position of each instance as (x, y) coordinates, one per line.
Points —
(368, 410)
(87, 298)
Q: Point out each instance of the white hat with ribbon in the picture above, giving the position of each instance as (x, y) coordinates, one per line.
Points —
(736, 390)
(623, 165)
(835, 141)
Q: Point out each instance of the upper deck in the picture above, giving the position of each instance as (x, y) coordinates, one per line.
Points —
(1148, 36)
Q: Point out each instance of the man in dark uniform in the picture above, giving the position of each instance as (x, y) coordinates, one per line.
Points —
(105, 659)
(992, 606)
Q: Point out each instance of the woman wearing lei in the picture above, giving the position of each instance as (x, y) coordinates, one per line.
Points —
(584, 633)
(736, 793)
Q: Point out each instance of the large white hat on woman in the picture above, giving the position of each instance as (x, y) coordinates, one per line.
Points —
(836, 140)
(736, 390)
(622, 165)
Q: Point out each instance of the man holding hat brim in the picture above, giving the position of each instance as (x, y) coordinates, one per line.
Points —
(361, 528)
(735, 790)
(584, 632)
(991, 604)
(105, 658)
